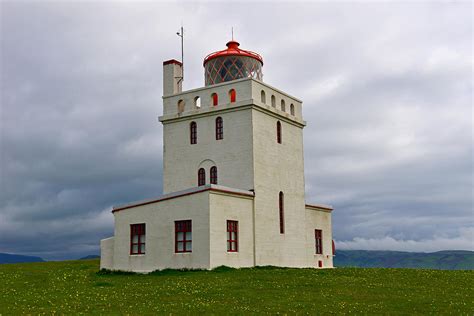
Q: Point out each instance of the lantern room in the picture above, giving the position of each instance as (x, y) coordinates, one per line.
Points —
(231, 64)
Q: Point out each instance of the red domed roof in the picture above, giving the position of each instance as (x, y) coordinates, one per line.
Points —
(233, 50)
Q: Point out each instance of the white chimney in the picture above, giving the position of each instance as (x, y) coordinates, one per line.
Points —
(172, 77)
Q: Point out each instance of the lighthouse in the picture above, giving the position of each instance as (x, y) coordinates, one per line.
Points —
(233, 178)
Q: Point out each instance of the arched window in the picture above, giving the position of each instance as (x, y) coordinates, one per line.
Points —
(215, 99)
(283, 107)
(213, 175)
(263, 97)
(201, 177)
(281, 203)
(219, 128)
(180, 106)
(193, 133)
(197, 102)
(232, 96)
(274, 104)
(278, 132)
(292, 109)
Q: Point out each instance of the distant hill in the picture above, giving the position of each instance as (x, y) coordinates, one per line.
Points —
(11, 258)
(444, 260)
(90, 257)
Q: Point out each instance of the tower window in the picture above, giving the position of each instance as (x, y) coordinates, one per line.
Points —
(193, 133)
(137, 239)
(197, 102)
(232, 95)
(263, 97)
(283, 106)
(219, 128)
(215, 99)
(201, 176)
(278, 132)
(232, 236)
(281, 212)
(318, 241)
(183, 236)
(274, 101)
(213, 175)
(292, 109)
(180, 106)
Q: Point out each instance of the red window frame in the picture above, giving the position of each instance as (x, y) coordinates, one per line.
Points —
(182, 229)
(215, 99)
(219, 128)
(278, 132)
(318, 241)
(213, 175)
(232, 96)
(281, 210)
(138, 231)
(232, 236)
(193, 133)
(201, 176)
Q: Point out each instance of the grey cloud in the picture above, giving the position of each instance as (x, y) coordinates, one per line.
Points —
(386, 90)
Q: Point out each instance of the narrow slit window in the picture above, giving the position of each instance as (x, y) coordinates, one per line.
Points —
(283, 106)
(281, 206)
(273, 101)
(278, 132)
(263, 97)
(292, 109)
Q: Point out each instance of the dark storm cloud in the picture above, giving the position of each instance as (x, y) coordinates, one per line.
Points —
(386, 90)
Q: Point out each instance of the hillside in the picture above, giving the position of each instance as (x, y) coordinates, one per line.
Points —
(445, 260)
(12, 258)
(76, 287)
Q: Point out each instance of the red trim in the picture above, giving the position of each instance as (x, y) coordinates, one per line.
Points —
(329, 208)
(232, 236)
(183, 227)
(137, 230)
(318, 241)
(181, 195)
(233, 50)
(232, 95)
(172, 61)
(215, 99)
(320, 263)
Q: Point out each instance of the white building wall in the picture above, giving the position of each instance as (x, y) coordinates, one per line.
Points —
(319, 219)
(278, 167)
(107, 253)
(223, 208)
(160, 234)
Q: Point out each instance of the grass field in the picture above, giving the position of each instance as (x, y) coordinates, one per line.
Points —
(75, 287)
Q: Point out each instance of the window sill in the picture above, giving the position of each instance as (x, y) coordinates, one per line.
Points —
(137, 254)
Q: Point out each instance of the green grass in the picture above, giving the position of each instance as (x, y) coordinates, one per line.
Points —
(76, 287)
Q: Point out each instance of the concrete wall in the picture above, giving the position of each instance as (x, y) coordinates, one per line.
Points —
(107, 253)
(278, 167)
(159, 219)
(319, 219)
(225, 207)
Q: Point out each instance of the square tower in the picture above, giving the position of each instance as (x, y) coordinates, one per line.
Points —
(241, 141)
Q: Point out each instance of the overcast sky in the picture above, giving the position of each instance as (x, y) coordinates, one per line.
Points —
(386, 90)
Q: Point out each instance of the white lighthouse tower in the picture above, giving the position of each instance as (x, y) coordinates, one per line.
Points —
(233, 179)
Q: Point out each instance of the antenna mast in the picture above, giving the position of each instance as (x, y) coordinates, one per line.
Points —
(181, 34)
